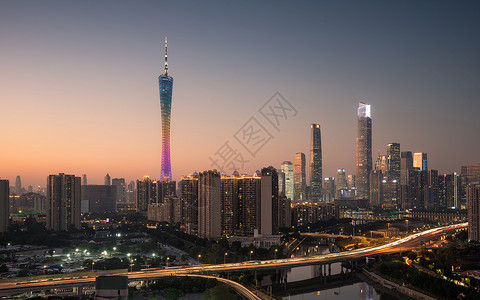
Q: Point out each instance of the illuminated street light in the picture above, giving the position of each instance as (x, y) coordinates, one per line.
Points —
(225, 258)
(198, 259)
(251, 252)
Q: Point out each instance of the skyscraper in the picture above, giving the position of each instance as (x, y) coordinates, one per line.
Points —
(316, 163)
(473, 211)
(269, 201)
(165, 83)
(341, 185)
(18, 185)
(287, 168)
(393, 157)
(121, 189)
(63, 202)
(209, 205)
(299, 177)
(4, 204)
(406, 164)
(420, 161)
(107, 180)
(363, 149)
(189, 193)
(84, 179)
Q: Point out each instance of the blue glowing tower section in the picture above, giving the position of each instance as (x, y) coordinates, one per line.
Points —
(165, 84)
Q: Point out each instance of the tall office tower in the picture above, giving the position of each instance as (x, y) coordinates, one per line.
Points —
(165, 83)
(146, 193)
(420, 161)
(351, 181)
(30, 189)
(284, 211)
(389, 196)
(329, 190)
(100, 198)
(107, 180)
(382, 165)
(473, 211)
(406, 164)
(119, 183)
(281, 181)
(240, 204)
(394, 161)
(299, 184)
(341, 183)
(209, 205)
(131, 194)
(449, 190)
(189, 191)
(316, 163)
(4, 205)
(363, 149)
(287, 168)
(84, 179)
(471, 174)
(376, 184)
(431, 191)
(269, 201)
(63, 198)
(18, 185)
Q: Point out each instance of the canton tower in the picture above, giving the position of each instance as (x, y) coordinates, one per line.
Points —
(165, 84)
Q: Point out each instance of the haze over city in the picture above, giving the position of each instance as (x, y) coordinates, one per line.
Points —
(80, 93)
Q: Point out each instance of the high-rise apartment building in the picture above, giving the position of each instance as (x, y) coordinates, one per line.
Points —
(121, 187)
(284, 211)
(189, 195)
(209, 205)
(63, 198)
(316, 163)
(473, 211)
(146, 193)
(420, 161)
(363, 149)
(299, 184)
(394, 161)
(165, 83)
(471, 174)
(269, 201)
(287, 168)
(240, 204)
(4, 205)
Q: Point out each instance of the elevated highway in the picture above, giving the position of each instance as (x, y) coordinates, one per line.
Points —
(18, 286)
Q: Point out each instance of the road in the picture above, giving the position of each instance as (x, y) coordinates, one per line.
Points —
(16, 286)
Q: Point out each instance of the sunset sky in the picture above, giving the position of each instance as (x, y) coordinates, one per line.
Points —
(79, 91)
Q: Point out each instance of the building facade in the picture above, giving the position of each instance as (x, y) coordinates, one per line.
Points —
(4, 205)
(287, 168)
(209, 205)
(473, 211)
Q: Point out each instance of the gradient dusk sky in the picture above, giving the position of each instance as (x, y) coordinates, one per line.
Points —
(79, 91)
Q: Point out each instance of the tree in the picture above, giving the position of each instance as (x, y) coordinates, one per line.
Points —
(3, 269)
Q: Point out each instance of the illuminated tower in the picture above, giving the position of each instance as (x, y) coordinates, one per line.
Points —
(364, 149)
(165, 84)
(316, 163)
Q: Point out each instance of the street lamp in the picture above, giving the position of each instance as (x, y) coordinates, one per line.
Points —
(406, 221)
(131, 265)
(198, 259)
(168, 258)
(276, 250)
(251, 252)
(225, 258)
(296, 252)
(44, 268)
(93, 263)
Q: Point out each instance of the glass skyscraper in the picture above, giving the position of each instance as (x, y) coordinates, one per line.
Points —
(165, 83)
(316, 163)
(363, 149)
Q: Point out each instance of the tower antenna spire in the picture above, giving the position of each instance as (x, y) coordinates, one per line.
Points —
(166, 62)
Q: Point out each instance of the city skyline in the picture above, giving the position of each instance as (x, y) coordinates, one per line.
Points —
(104, 89)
